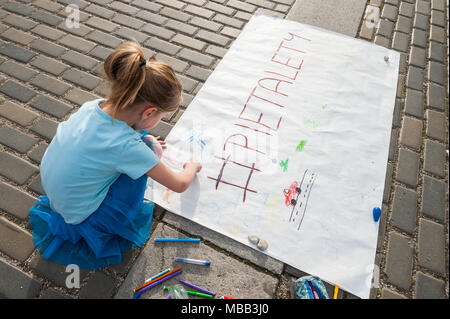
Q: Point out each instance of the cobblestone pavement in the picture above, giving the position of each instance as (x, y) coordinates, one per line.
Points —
(48, 69)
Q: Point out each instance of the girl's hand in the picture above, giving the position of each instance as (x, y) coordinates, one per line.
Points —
(193, 164)
(161, 142)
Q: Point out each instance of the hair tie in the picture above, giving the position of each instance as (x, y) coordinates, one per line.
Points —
(143, 62)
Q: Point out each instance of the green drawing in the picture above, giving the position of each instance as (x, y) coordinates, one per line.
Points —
(301, 145)
(324, 106)
(310, 123)
(284, 164)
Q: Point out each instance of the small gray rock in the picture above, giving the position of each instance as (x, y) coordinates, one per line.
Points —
(253, 239)
(262, 244)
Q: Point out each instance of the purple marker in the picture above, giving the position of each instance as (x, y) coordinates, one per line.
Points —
(160, 281)
(198, 288)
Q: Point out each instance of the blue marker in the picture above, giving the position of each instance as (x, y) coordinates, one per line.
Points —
(178, 239)
(192, 261)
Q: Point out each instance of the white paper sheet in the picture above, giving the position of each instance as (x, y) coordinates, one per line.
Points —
(292, 112)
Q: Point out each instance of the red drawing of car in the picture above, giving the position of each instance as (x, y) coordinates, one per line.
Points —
(290, 193)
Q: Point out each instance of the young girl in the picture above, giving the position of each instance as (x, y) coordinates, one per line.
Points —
(94, 172)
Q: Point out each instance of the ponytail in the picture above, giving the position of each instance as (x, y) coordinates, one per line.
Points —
(133, 79)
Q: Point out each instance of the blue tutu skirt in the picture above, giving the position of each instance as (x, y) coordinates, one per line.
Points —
(121, 222)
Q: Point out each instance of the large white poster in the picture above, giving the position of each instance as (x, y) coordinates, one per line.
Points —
(293, 130)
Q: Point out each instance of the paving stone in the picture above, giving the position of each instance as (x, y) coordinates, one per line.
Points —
(419, 38)
(189, 42)
(420, 21)
(195, 57)
(81, 30)
(417, 56)
(389, 12)
(18, 36)
(423, 7)
(399, 260)
(36, 186)
(47, 18)
(17, 91)
(47, 32)
(198, 73)
(205, 24)
(414, 103)
(406, 9)
(49, 65)
(411, 133)
(124, 8)
(158, 31)
(181, 27)
(434, 161)
(436, 125)
(403, 24)
(47, 47)
(15, 139)
(147, 5)
(100, 52)
(436, 97)
(80, 3)
(100, 11)
(393, 145)
(51, 106)
(187, 83)
(50, 84)
(437, 34)
(15, 168)
(404, 210)
(436, 51)
(19, 22)
(431, 246)
(18, 8)
(407, 167)
(17, 53)
(79, 96)
(385, 28)
(438, 5)
(17, 70)
(98, 286)
(227, 275)
(52, 293)
(104, 38)
(228, 21)
(76, 43)
(13, 200)
(81, 78)
(387, 293)
(16, 284)
(45, 127)
(175, 14)
(396, 121)
(15, 241)
(383, 41)
(438, 18)
(151, 17)
(131, 34)
(163, 46)
(219, 8)
(53, 271)
(212, 38)
(428, 287)
(16, 113)
(79, 60)
(161, 129)
(37, 154)
(205, 13)
(415, 78)
(48, 5)
(234, 33)
(437, 72)
(128, 21)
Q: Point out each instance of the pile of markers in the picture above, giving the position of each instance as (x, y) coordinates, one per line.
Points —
(167, 274)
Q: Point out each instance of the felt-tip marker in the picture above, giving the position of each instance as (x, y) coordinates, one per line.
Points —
(192, 261)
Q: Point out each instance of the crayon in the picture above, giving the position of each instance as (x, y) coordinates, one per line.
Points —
(198, 288)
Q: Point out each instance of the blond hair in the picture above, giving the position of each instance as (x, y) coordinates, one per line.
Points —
(134, 79)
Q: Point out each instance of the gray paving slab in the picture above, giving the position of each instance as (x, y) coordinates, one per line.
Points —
(343, 16)
(225, 276)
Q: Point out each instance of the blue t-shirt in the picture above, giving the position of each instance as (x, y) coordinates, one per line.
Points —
(87, 155)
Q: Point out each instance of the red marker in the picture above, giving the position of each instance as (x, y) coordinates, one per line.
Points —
(226, 297)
